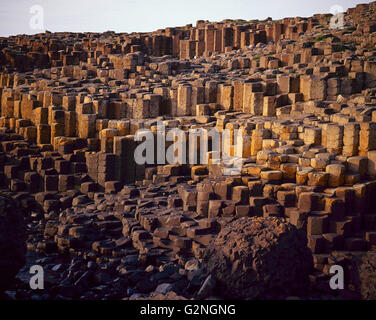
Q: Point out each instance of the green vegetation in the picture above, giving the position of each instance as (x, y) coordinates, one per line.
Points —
(350, 29)
(343, 46)
(242, 22)
(323, 37)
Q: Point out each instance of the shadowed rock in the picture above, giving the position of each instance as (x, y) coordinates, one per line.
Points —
(259, 258)
(12, 241)
(365, 275)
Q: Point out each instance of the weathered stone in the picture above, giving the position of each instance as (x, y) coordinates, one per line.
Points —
(253, 274)
(12, 241)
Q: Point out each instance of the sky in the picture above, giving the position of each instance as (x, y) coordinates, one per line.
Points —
(17, 17)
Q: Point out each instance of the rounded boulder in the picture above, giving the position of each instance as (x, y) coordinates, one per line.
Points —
(259, 258)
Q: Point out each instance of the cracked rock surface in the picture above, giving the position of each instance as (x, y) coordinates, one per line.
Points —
(259, 258)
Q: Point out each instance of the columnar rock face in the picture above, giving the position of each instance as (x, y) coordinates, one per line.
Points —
(12, 241)
(293, 102)
(259, 258)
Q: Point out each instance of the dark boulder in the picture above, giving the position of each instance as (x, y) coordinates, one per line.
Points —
(364, 275)
(259, 258)
(12, 241)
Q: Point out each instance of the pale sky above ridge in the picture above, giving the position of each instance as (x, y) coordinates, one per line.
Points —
(148, 15)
